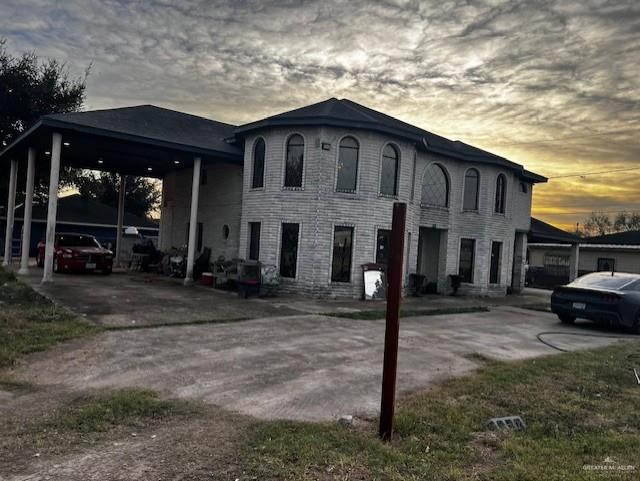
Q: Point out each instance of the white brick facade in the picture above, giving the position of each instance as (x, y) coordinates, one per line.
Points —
(228, 199)
(219, 204)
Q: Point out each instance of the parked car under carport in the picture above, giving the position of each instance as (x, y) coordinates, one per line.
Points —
(77, 252)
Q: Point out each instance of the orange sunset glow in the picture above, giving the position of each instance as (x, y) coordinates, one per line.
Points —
(553, 85)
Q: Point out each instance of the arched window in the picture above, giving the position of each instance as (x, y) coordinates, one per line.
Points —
(389, 171)
(501, 194)
(471, 187)
(257, 179)
(435, 186)
(347, 165)
(294, 162)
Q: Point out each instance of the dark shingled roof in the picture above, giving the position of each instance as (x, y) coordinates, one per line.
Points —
(346, 113)
(541, 232)
(621, 238)
(154, 123)
(77, 209)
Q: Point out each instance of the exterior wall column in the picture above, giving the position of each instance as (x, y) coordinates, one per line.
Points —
(162, 211)
(574, 261)
(519, 257)
(28, 208)
(11, 212)
(54, 177)
(193, 221)
(121, 192)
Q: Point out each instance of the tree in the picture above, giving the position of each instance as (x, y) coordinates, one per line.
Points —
(29, 89)
(142, 195)
(596, 224)
(599, 223)
(626, 221)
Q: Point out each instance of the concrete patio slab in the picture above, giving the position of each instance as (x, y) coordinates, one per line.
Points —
(127, 299)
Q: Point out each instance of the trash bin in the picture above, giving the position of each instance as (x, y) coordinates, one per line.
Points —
(416, 283)
(456, 280)
(249, 278)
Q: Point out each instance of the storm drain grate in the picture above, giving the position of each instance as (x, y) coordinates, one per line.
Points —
(506, 422)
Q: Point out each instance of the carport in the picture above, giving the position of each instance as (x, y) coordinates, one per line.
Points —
(144, 141)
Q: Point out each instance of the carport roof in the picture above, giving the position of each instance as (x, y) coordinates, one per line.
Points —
(130, 140)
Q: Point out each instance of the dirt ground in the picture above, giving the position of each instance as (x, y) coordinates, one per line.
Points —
(204, 446)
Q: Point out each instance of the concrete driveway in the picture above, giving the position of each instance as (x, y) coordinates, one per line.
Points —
(308, 367)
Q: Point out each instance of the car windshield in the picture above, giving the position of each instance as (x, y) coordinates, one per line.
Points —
(77, 241)
(608, 281)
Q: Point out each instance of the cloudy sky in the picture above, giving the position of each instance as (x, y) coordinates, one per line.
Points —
(554, 85)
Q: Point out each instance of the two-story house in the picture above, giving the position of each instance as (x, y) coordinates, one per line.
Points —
(315, 194)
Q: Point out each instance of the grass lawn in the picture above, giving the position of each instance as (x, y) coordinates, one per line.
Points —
(30, 322)
(580, 408)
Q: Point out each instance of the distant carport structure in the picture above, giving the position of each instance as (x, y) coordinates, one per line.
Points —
(144, 140)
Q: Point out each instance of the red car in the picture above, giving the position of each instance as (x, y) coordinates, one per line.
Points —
(77, 252)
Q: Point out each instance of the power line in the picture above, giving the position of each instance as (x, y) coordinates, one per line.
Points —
(585, 174)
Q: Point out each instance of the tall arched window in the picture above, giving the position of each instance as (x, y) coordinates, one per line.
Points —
(257, 179)
(471, 187)
(501, 194)
(389, 170)
(347, 165)
(435, 186)
(294, 162)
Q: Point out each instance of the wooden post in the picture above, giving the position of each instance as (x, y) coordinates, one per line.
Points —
(394, 294)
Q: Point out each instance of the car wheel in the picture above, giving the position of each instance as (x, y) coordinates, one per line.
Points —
(566, 318)
(56, 267)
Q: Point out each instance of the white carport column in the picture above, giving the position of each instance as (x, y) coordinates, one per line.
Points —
(193, 221)
(11, 211)
(574, 262)
(123, 185)
(52, 211)
(28, 208)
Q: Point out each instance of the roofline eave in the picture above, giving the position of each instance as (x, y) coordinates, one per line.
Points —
(20, 138)
(54, 123)
(45, 121)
